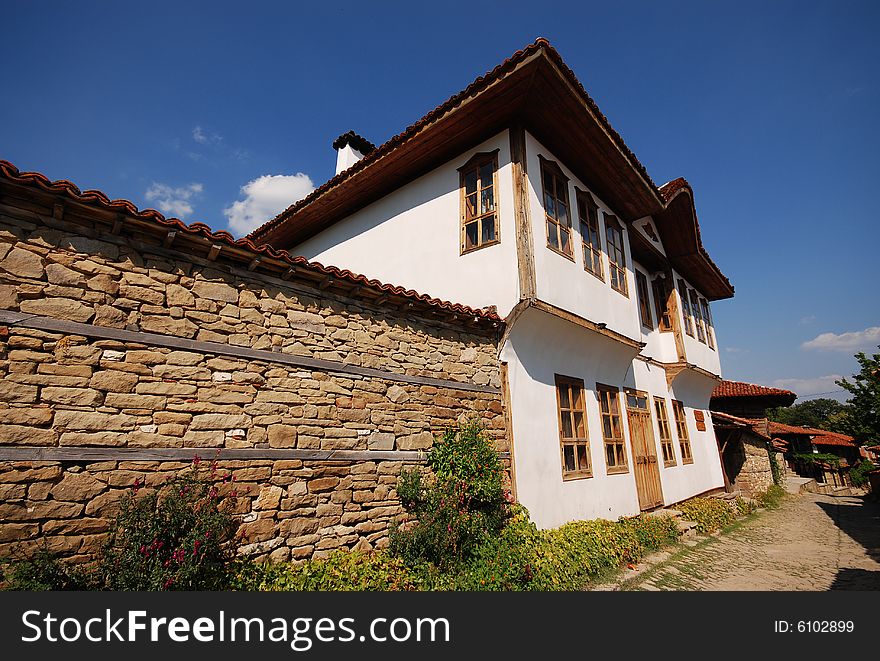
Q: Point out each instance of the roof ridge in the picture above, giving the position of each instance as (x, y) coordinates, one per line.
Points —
(96, 197)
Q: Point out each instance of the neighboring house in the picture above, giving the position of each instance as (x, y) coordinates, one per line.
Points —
(517, 196)
(804, 441)
(739, 412)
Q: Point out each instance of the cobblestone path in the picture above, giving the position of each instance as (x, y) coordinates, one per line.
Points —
(812, 542)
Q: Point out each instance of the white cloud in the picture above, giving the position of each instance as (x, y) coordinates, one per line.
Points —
(810, 386)
(264, 198)
(853, 341)
(809, 319)
(735, 350)
(199, 135)
(174, 201)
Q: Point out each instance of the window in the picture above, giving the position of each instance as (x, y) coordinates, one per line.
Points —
(698, 317)
(684, 440)
(612, 428)
(704, 306)
(665, 432)
(661, 303)
(616, 256)
(479, 212)
(685, 308)
(573, 428)
(556, 208)
(588, 215)
(644, 301)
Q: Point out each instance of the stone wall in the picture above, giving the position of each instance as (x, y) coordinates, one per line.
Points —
(386, 380)
(751, 454)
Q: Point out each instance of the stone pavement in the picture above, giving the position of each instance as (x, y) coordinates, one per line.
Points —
(812, 542)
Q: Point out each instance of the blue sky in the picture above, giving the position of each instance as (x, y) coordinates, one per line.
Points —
(769, 109)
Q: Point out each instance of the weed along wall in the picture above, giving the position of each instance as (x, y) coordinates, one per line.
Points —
(129, 344)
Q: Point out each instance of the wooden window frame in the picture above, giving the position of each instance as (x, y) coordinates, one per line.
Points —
(559, 178)
(611, 247)
(707, 320)
(684, 439)
(660, 289)
(592, 254)
(643, 298)
(698, 316)
(615, 441)
(574, 441)
(686, 308)
(475, 163)
(667, 445)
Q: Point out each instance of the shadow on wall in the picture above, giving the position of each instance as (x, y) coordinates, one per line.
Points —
(860, 519)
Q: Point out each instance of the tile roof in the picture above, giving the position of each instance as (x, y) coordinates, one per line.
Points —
(9, 172)
(819, 436)
(753, 425)
(358, 142)
(451, 103)
(742, 389)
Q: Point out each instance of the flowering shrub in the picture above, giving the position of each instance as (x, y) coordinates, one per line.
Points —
(176, 538)
(44, 571)
(455, 506)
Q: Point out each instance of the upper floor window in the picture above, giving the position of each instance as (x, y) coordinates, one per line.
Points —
(704, 306)
(616, 255)
(698, 317)
(588, 214)
(479, 209)
(661, 303)
(684, 441)
(686, 308)
(612, 428)
(644, 304)
(665, 432)
(556, 210)
(575, 445)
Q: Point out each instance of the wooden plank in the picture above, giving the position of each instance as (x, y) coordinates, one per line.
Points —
(525, 248)
(88, 454)
(11, 318)
(508, 424)
(586, 323)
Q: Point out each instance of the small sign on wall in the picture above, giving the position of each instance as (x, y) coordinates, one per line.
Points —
(700, 419)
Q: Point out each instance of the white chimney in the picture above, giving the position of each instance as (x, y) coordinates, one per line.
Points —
(350, 148)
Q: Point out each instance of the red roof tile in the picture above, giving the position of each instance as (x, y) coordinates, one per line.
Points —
(819, 436)
(742, 389)
(741, 422)
(97, 198)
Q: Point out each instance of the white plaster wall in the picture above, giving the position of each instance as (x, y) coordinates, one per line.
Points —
(540, 346)
(564, 283)
(412, 238)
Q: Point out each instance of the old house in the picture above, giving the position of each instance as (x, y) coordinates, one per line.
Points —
(580, 330)
(516, 193)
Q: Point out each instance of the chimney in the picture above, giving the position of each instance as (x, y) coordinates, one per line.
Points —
(350, 148)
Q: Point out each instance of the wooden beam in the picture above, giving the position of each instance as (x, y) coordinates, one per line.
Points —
(58, 211)
(116, 229)
(214, 252)
(169, 238)
(255, 262)
(326, 282)
(508, 424)
(525, 257)
(51, 325)
(599, 328)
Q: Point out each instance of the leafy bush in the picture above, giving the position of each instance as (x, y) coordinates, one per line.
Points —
(457, 505)
(44, 571)
(745, 506)
(772, 498)
(817, 458)
(176, 538)
(858, 474)
(710, 514)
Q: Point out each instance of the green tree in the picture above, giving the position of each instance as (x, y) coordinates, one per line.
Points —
(862, 419)
(821, 413)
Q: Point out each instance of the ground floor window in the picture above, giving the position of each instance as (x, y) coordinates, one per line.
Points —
(665, 432)
(573, 438)
(612, 428)
(684, 441)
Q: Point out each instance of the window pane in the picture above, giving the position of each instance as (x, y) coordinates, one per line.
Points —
(583, 459)
(564, 235)
(606, 427)
(568, 456)
(488, 200)
(548, 181)
(470, 203)
(621, 455)
(550, 205)
(486, 174)
(470, 182)
(609, 454)
(562, 212)
(564, 400)
(579, 429)
(489, 228)
(552, 237)
(470, 235)
(567, 431)
(577, 397)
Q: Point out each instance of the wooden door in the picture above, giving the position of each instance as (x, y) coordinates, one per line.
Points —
(641, 433)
